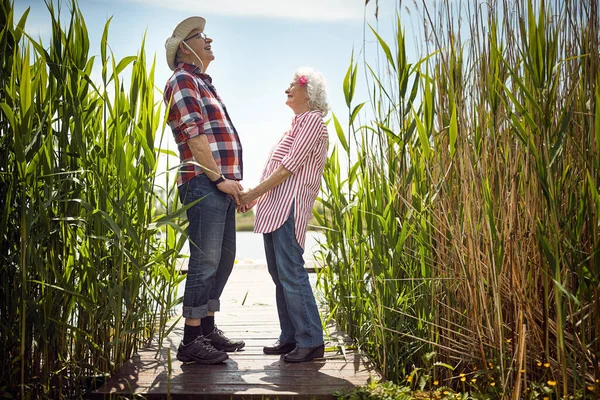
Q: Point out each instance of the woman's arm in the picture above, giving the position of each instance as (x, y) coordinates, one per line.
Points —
(276, 178)
(306, 139)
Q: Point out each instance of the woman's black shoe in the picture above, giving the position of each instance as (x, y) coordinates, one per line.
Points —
(302, 355)
(279, 348)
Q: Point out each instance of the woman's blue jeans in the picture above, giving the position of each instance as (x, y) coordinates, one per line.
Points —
(299, 317)
(211, 235)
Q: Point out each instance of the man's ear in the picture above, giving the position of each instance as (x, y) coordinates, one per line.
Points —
(184, 48)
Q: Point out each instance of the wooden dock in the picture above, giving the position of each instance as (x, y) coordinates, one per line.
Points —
(248, 312)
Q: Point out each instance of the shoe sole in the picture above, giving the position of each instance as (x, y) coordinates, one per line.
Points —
(230, 349)
(311, 358)
(203, 360)
(278, 352)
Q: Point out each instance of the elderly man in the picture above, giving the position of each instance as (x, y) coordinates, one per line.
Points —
(211, 166)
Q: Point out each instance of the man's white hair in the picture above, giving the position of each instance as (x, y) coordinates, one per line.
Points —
(316, 87)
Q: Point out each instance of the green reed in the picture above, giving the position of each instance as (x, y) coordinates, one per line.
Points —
(85, 279)
(467, 227)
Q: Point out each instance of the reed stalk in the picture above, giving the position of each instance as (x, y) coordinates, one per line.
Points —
(467, 225)
(85, 278)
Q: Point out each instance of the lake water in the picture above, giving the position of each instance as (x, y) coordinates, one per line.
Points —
(250, 248)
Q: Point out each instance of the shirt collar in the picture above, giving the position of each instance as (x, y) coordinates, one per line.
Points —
(304, 113)
(192, 69)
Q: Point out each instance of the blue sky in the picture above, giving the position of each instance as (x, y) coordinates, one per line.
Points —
(258, 44)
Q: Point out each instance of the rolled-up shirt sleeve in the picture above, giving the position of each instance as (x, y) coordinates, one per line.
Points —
(187, 102)
(307, 134)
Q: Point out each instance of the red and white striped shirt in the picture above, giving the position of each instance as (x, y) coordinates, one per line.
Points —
(303, 151)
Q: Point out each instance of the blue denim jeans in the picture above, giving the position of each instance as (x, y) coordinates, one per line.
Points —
(299, 317)
(211, 235)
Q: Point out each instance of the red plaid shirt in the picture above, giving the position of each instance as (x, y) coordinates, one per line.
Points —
(196, 109)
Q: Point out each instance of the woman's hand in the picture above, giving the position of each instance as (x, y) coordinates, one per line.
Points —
(246, 207)
(248, 196)
(248, 199)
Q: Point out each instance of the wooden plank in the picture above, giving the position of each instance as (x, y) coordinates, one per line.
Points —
(350, 365)
(248, 373)
(261, 392)
(274, 377)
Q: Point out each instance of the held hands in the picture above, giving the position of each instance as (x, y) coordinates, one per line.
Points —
(246, 207)
(248, 199)
(244, 199)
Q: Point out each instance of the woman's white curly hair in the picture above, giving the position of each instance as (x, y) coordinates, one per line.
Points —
(316, 87)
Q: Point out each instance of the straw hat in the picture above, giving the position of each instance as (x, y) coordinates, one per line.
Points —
(181, 31)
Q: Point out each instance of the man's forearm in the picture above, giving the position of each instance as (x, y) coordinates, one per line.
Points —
(200, 148)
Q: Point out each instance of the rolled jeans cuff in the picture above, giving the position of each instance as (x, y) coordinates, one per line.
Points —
(195, 312)
(214, 305)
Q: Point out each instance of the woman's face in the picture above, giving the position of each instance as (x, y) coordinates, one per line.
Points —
(297, 97)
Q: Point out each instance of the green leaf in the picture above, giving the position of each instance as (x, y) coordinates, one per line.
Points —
(177, 213)
(25, 94)
(355, 112)
(385, 48)
(20, 28)
(347, 85)
(453, 132)
(423, 135)
(441, 364)
(18, 142)
(111, 222)
(380, 86)
(10, 115)
(340, 133)
(168, 152)
(594, 192)
(103, 46)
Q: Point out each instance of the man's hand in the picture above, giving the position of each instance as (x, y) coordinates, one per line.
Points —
(232, 188)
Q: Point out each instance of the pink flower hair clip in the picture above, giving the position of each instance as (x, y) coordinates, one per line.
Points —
(303, 80)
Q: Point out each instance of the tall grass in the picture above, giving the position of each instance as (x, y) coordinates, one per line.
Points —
(84, 279)
(465, 237)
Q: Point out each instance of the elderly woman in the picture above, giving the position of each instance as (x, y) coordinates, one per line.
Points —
(289, 186)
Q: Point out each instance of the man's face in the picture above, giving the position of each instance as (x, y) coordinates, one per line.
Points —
(201, 44)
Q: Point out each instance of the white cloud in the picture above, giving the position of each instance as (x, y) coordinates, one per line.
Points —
(317, 10)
